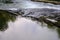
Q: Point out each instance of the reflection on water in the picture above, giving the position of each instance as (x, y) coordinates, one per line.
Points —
(49, 24)
(25, 28)
(5, 17)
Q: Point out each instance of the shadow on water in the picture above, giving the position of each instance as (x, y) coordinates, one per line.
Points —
(5, 17)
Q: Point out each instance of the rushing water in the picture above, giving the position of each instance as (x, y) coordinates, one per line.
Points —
(27, 4)
(27, 20)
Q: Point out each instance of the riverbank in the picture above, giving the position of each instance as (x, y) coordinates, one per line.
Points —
(53, 2)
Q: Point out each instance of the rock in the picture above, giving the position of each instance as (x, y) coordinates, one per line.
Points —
(47, 1)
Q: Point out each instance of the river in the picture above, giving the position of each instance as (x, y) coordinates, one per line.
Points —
(28, 20)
